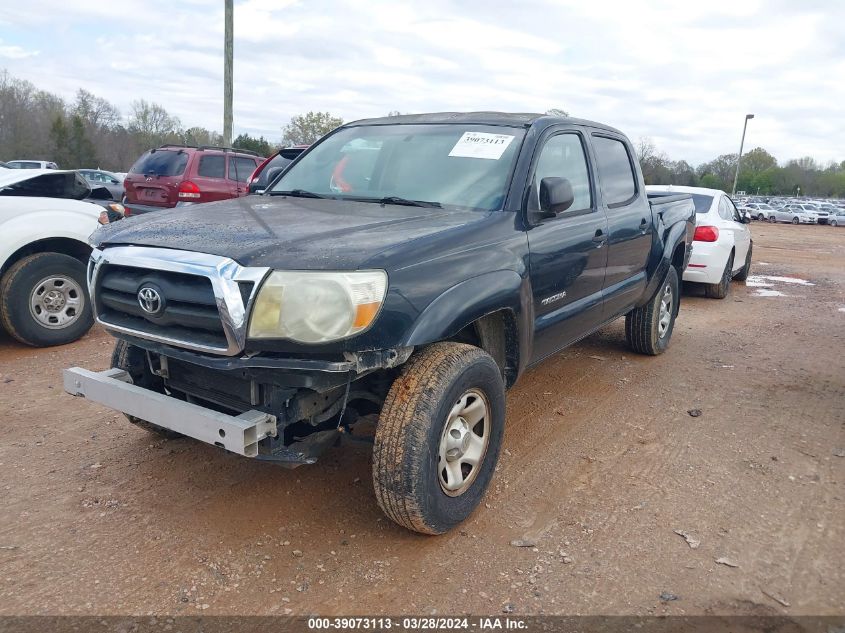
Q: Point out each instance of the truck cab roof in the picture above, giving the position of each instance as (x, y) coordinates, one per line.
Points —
(511, 119)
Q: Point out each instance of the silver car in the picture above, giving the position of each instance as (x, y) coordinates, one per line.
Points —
(794, 214)
(836, 218)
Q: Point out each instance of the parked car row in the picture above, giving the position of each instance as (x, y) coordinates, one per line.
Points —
(794, 210)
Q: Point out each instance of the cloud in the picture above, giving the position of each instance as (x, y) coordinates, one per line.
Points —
(684, 75)
(15, 52)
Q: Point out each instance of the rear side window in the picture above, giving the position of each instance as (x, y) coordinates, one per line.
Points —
(615, 171)
(240, 169)
(212, 167)
(25, 165)
(702, 203)
(161, 163)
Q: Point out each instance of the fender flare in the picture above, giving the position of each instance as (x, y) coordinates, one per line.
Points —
(472, 299)
(675, 235)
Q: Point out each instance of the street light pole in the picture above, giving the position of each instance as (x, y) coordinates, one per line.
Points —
(228, 50)
(739, 158)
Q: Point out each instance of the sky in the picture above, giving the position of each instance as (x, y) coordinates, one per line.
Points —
(680, 73)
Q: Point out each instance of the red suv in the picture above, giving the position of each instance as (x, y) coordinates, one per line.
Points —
(178, 174)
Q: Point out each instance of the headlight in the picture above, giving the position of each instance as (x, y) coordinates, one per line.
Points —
(316, 307)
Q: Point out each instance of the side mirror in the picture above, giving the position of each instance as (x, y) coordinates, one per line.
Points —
(746, 219)
(556, 195)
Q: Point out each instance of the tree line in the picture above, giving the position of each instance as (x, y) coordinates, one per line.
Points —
(89, 131)
(759, 173)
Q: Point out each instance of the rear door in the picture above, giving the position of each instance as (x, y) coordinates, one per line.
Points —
(210, 176)
(240, 169)
(732, 222)
(567, 252)
(629, 221)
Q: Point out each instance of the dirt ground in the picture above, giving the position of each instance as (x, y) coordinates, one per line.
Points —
(602, 463)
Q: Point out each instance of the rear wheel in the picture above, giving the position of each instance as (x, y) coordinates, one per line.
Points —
(720, 290)
(438, 437)
(832, 222)
(133, 360)
(742, 275)
(648, 328)
(44, 300)
(761, 217)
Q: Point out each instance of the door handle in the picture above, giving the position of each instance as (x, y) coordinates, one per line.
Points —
(643, 224)
(600, 237)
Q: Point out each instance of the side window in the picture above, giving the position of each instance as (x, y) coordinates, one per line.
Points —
(734, 212)
(615, 172)
(563, 156)
(725, 209)
(212, 167)
(240, 169)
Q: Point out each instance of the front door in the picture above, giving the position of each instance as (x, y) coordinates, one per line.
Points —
(568, 254)
(732, 222)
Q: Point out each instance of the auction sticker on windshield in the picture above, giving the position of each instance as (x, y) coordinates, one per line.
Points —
(481, 145)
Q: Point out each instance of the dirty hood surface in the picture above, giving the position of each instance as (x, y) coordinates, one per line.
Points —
(289, 233)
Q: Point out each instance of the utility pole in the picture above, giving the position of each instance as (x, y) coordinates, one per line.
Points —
(228, 54)
(739, 158)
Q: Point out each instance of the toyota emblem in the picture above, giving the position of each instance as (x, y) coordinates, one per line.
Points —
(150, 300)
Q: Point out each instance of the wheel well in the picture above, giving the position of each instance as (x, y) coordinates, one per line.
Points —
(678, 257)
(65, 246)
(498, 335)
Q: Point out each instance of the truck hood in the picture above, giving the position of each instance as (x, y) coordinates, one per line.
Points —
(285, 233)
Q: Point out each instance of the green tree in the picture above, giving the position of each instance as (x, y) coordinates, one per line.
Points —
(82, 153)
(305, 129)
(60, 139)
(259, 145)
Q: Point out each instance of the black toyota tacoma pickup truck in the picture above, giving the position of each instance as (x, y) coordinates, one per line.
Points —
(407, 269)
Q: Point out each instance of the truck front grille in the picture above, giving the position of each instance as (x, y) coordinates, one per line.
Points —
(189, 300)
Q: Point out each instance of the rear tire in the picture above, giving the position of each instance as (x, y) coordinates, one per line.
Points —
(832, 222)
(761, 217)
(742, 275)
(133, 360)
(445, 410)
(648, 329)
(44, 300)
(723, 288)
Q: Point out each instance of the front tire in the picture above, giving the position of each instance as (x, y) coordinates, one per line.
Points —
(721, 289)
(438, 437)
(648, 329)
(772, 219)
(133, 360)
(44, 300)
(795, 220)
(832, 222)
(761, 217)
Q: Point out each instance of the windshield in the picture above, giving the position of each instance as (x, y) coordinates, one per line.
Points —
(465, 166)
(161, 163)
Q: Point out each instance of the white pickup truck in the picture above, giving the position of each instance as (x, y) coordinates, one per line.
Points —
(44, 229)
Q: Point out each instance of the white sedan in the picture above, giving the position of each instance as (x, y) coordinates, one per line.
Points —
(721, 248)
(43, 254)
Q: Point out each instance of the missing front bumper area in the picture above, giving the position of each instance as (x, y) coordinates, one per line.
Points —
(114, 389)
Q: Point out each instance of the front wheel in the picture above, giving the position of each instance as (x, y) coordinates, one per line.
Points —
(761, 217)
(795, 220)
(44, 301)
(438, 437)
(648, 328)
(772, 219)
(832, 222)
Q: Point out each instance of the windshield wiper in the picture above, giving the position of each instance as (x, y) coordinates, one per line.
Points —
(402, 201)
(297, 193)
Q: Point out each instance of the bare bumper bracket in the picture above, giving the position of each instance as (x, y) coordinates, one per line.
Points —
(114, 389)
